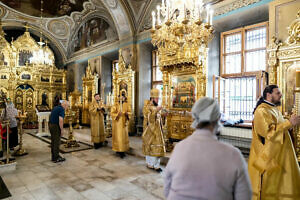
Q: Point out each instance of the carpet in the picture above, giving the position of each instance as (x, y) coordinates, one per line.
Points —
(4, 193)
(47, 139)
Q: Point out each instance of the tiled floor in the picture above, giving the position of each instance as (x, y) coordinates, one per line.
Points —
(90, 174)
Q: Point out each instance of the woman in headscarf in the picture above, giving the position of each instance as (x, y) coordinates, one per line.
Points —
(10, 113)
(201, 167)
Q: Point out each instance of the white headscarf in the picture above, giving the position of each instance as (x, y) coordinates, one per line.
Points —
(205, 110)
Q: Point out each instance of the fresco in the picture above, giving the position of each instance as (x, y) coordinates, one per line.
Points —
(91, 32)
(52, 8)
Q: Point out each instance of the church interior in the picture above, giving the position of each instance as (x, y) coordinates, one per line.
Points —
(119, 50)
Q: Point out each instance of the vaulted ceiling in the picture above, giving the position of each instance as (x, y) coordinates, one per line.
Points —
(62, 21)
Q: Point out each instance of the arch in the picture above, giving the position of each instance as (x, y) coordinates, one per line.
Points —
(146, 16)
(91, 16)
(25, 87)
(122, 21)
(57, 47)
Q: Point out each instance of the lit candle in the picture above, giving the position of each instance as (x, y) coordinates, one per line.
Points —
(153, 20)
(207, 14)
(184, 10)
(163, 4)
(297, 78)
(109, 99)
(158, 14)
(211, 17)
(168, 9)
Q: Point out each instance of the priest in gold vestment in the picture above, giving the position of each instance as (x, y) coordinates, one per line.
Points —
(273, 166)
(96, 110)
(153, 140)
(120, 113)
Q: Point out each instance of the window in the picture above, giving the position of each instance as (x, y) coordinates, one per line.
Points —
(242, 75)
(115, 65)
(157, 76)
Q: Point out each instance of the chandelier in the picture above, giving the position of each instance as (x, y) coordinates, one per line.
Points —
(180, 29)
(41, 56)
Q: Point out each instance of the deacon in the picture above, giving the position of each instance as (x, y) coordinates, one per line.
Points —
(153, 140)
(97, 110)
(120, 113)
(273, 166)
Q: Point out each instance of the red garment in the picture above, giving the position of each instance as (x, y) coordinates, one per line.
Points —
(2, 131)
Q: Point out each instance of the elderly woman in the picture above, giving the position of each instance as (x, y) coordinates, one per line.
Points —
(201, 167)
(10, 113)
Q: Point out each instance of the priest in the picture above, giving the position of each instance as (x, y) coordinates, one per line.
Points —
(153, 140)
(273, 166)
(120, 114)
(97, 110)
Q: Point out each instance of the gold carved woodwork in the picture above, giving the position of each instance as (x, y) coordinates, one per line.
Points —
(284, 62)
(89, 89)
(26, 83)
(75, 106)
(124, 81)
(185, 63)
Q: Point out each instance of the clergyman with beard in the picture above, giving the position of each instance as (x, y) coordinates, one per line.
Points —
(273, 167)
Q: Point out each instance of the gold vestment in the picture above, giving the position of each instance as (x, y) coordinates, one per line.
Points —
(273, 166)
(146, 102)
(120, 141)
(97, 122)
(153, 140)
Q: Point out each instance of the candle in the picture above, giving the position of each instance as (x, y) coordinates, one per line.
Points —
(184, 10)
(158, 14)
(297, 78)
(153, 20)
(109, 98)
(168, 9)
(207, 14)
(163, 4)
(211, 17)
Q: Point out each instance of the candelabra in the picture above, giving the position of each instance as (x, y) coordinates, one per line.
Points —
(109, 103)
(77, 111)
(71, 142)
(182, 32)
(21, 151)
(108, 128)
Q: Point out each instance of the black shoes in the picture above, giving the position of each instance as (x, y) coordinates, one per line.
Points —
(152, 168)
(101, 144)
(158, 170)
(121, 154)
(59, 159)
(97, 145)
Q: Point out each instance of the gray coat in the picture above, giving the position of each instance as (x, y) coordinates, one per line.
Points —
(203, 168)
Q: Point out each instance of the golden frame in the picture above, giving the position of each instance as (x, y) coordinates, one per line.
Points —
(125, 74)
(282, 57)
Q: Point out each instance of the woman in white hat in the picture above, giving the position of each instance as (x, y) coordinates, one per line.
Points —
(201, 167)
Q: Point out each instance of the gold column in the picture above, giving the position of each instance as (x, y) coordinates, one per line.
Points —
(297, 106)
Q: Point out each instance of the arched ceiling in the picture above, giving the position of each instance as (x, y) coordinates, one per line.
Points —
(127, 18)
(52, 8)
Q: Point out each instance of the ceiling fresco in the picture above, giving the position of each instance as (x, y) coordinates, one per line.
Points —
(52, 8)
